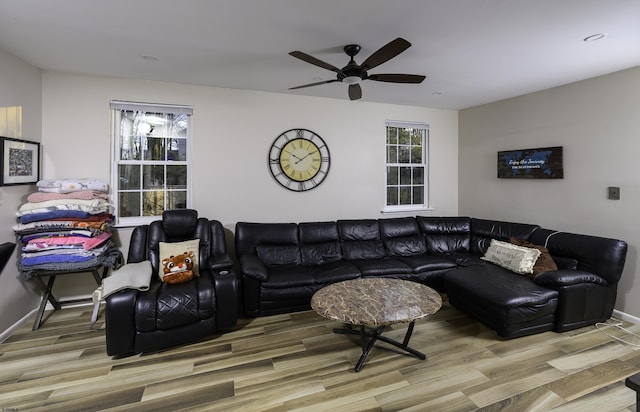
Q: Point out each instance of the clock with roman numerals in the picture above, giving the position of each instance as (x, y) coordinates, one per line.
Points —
(299, 160)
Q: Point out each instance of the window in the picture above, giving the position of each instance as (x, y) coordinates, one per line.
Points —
(406, 166)
(150, 168)
(11, 121)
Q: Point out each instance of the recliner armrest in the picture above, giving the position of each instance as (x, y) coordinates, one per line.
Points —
(220, 262)
(253, 267)
(226, 285)
(119, 322)
(568, 277)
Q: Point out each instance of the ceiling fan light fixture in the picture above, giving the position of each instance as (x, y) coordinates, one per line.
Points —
(353, 73)
(352, 80)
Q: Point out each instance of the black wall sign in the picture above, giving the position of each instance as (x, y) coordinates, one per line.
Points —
(543, 163)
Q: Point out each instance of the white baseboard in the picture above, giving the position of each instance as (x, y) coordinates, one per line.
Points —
(9, 331)
(625, 316)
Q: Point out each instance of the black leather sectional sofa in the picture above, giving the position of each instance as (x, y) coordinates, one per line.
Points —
(283, 264)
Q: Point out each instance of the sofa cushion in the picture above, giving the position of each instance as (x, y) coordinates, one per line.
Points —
(465, 259)
(335, 272)
(287, 276)
(482, 231)
(510, 304)
(383, 266)
(358, 229)
(278, 254)
(544, 262)
(446, 234)
(427, 263)
(319, 242)
(517, 259)
(402, 236)
(360, 239)
(497, 287)
(166, 306)
(251, 235)
(363, 249)
(405, 246)
(320, 253)
(285, 300)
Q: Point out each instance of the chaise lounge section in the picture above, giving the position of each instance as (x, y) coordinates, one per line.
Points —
(283, 264)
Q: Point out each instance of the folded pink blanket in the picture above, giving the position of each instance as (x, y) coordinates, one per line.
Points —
(66, 242)
(81, 194)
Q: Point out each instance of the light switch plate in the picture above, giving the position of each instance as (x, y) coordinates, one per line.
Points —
(614, 193)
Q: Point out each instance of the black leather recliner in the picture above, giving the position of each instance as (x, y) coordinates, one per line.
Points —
(172, 314)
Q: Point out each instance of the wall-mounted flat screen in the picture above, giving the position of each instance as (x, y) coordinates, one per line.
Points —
(542, 163)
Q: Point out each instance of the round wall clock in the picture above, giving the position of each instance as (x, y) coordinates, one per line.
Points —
(299, 160)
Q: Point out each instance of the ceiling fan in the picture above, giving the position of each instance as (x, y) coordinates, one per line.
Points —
(353, 73)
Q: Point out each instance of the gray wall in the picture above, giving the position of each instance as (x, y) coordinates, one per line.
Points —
(20, 85)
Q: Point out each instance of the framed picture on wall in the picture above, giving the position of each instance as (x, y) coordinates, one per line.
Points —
(540, 163)
(20, 162)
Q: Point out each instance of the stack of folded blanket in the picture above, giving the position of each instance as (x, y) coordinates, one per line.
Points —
(66, 225)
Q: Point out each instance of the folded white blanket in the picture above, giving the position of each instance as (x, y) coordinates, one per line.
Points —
(129, 276)
(71, 185)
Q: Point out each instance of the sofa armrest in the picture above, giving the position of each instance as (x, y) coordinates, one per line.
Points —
(220, 262)
(253, 267)
(226, 285)
(119, 322)
(568, 277)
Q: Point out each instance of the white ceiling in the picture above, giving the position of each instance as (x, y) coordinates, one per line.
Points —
(472, 51)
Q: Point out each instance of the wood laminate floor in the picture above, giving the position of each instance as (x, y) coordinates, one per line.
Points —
(295, 362)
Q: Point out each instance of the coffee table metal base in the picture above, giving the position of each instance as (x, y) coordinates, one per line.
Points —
(370, 338)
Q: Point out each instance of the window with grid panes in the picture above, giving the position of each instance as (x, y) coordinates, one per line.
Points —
(406, 166)
(150, 172)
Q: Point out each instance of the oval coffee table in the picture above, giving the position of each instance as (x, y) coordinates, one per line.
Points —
(376, 303)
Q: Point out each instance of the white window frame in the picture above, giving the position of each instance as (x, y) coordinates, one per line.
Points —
(425, 164)
(116, 109)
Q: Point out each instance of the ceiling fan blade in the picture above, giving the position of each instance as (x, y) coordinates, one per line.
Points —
(397, 78)
(355, 92)
(385, 53)
(310, 59)
(313, 84)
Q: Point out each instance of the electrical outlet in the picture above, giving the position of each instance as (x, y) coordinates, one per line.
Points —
(614, 193)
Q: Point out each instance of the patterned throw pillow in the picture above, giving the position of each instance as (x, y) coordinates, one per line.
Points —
(517, 259)
(179, 261)
(544, 263)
